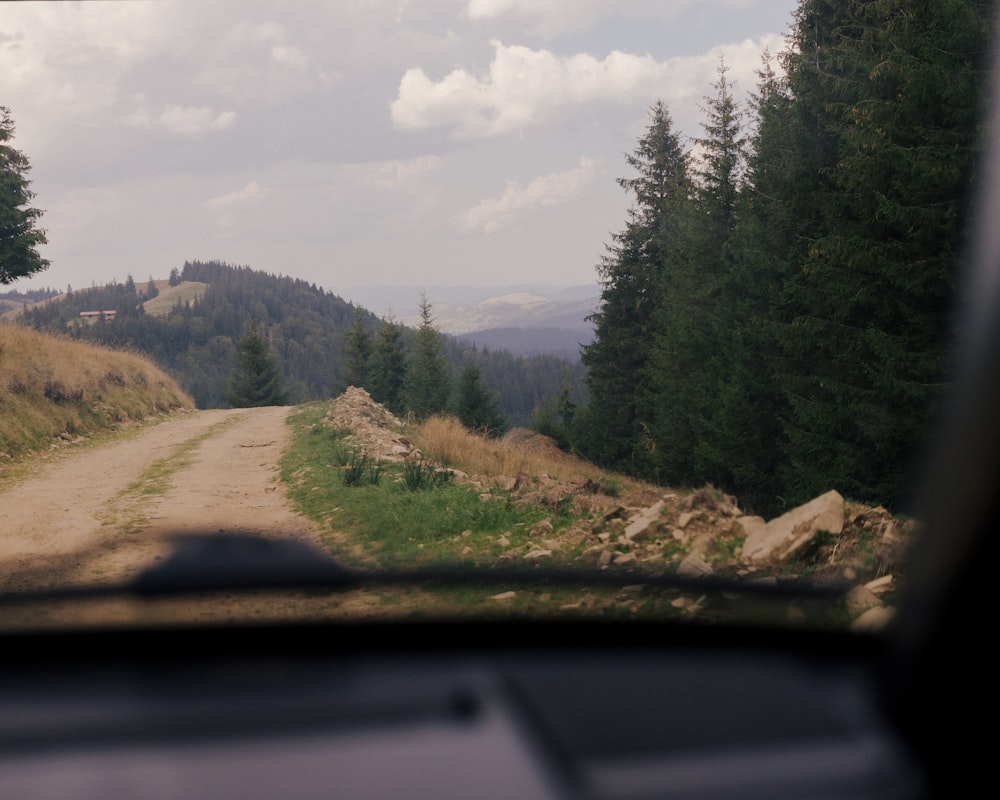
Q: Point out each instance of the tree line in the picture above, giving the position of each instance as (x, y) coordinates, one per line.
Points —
(778, 309)
(314, 338)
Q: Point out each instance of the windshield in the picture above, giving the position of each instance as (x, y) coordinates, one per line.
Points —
(603, 310)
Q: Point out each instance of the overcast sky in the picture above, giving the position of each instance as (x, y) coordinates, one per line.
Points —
(356, 142)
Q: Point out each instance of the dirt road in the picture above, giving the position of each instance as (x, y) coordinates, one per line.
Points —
(98, 514)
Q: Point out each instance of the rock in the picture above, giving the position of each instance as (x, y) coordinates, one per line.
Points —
(541, 528)
(685, 519)
(879, 585)
(785, 535)
(641, 522)
(746, 526)
(617, 512)
(622, 558)
(860, 600)
(534, 555)
(504, 596)
(694, 567)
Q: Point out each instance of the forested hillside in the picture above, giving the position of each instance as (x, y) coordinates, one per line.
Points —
(778, 307)
(307, 330)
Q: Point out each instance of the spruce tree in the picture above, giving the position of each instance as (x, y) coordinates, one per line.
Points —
(388, 366)
(746, 439)
(427, 385)
(898, 87)
(614, 426)
(476, 407)
(255, 380)
(358, 351)
(20, 235)
(694, 318)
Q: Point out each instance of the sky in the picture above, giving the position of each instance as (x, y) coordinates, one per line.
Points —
(354, 143)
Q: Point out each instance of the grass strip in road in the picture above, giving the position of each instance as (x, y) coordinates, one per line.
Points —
(126, 511)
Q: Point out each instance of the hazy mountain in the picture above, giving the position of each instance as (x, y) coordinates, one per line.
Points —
(522, 319)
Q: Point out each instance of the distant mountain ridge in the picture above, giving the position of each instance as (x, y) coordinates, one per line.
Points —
(522, 319)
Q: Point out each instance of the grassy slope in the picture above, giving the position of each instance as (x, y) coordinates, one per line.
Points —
(160, 305)
(51, 386)
(170, 296)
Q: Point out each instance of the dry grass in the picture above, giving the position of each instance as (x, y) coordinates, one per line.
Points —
(52, 386)
(448, 442)
(170, 296)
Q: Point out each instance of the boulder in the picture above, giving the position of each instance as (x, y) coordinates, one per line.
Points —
(641, 522)
(792, 531)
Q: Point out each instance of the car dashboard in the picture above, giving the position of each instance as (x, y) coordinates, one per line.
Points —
(448, 710)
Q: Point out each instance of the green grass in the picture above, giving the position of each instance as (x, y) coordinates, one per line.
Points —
(399, 520)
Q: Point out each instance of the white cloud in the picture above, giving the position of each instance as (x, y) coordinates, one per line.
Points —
(285, 54)
(551, 17)
(494, 214)
(225, 207)
(523, 87)
(185, 120)
(61, 62)
(261, 62)
(398, 174)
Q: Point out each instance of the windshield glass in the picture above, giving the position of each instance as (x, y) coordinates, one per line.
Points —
(590, 309)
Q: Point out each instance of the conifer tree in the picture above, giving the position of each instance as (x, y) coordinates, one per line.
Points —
(694, 318)
(388, 365)
(614, 426)
(475, 406)
(898, 89)
(255, 380)
(358, 351)
(427, 385)
(747, 435)
(20, 235)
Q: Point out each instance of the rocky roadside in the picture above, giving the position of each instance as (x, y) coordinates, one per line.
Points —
(699, 532)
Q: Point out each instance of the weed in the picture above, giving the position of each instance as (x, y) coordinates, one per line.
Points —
(724, 548)
(361, 469)
(418, 473)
